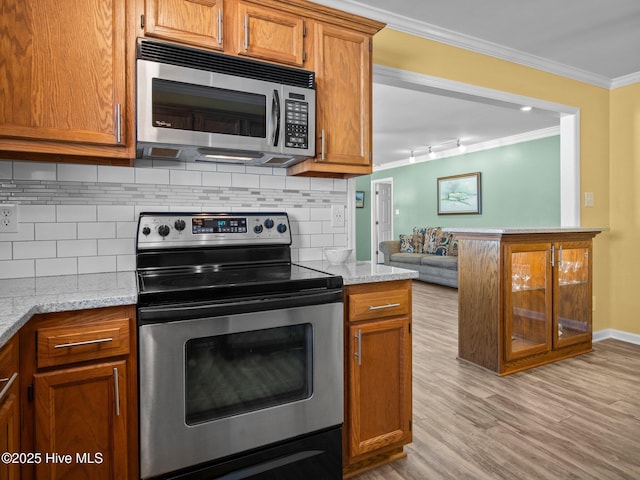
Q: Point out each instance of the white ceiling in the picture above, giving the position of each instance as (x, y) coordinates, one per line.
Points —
(594, 41)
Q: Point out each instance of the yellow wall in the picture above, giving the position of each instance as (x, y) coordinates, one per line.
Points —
(625, 208)
(407, 52)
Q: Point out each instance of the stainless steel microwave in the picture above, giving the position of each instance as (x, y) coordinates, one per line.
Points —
(194, 105)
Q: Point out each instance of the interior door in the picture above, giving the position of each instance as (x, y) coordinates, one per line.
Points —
(382, 217)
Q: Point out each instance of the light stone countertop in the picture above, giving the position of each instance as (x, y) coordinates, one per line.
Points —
(520, 230)
(21, 298)
(362, 272)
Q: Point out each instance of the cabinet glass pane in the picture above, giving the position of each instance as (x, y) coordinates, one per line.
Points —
(529, 323)
(574, 304)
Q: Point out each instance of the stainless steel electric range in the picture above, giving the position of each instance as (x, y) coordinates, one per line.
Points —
(240, 351)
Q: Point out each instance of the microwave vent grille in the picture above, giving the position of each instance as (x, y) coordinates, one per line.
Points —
(229, 65)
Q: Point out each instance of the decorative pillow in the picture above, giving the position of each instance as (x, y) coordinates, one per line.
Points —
(442, 244)
(431, 240)
(418, 244)
(406, 243)
(453, 246)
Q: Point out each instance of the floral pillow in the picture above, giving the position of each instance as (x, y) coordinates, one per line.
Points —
(431, 238)
(447, 245)
(411, 243)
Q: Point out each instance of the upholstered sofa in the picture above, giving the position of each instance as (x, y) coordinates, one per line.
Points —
(430, 251)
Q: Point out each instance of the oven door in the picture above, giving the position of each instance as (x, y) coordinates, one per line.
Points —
(215, 386)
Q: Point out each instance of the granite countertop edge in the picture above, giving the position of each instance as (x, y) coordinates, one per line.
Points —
(357, 272)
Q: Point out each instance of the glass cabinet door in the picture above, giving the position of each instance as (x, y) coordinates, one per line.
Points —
(572, 316)
(528, 300)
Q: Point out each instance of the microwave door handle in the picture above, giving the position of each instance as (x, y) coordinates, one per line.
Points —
(275, 117)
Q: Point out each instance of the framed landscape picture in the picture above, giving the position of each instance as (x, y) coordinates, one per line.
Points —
(359, 199)
(459, 194)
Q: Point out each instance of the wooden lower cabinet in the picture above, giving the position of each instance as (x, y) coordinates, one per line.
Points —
(79, 394)
(377, 374)
(9, 408)
(524, 299)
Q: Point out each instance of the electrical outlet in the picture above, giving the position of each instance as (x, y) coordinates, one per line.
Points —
(337, 215)
(8, 218)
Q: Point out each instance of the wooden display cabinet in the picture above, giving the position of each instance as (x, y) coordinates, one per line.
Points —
(79, 394)
(377, 374)
(524, 298)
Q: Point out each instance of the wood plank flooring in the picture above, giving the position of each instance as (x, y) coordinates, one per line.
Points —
(574, 419)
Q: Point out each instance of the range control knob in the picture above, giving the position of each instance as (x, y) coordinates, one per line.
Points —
(268, 223)
(163, 230)
(179, 225)
(146, 231)
(257, 229)
(282, 228)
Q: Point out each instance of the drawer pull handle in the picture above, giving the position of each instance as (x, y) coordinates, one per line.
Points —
(86, 342)
(6, 388)
(359, 352)
(381, 307)
(116, 389)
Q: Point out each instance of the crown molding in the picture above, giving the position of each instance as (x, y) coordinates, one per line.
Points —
(625, 80)
(477, 147)
(467, 42)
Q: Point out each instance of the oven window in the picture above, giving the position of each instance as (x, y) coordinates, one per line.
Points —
(200, 108)
(237, 373)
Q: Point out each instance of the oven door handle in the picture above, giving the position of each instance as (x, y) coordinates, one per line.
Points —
(191, 311)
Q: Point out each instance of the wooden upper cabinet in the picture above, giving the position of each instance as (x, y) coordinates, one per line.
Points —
(342, 62)
(269, 34)
(194, 22)
(63, 73)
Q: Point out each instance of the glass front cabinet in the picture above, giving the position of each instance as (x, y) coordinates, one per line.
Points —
(524, 296)
(547, 298)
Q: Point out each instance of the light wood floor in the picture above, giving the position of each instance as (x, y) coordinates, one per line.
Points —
(574, 419)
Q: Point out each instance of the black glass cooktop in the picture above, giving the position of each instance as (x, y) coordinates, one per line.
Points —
(201, 283)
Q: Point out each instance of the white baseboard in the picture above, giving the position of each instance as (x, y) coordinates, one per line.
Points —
(617, 335)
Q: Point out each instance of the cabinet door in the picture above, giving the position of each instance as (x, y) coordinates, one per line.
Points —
(528, 312)
(82, 412)
(343, 75)
(269, 34)
(9, 408)
(62, 71)
(195, 22)
(379, 384)
(572, 294)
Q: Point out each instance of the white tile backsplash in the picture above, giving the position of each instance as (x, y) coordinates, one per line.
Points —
(83, 218)
(33, 171)
(36, 213)
(77, 248)
(71, 172)
(42, 249)
(76, 213)
(48, 267)
(6, 250)
(17, 269)
(6, 170)
(56, 231)
(109, 174)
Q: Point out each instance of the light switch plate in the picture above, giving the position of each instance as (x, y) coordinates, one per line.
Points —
(588, 199)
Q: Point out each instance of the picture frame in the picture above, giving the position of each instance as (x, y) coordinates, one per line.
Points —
(460, 194)
(359, 199)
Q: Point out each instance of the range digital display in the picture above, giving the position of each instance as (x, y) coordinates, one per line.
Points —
(218, 225)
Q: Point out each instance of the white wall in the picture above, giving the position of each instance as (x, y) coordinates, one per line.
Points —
(76, 219)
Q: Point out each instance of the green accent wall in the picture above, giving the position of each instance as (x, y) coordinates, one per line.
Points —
(520, 186)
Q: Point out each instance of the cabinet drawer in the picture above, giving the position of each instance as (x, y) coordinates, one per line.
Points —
(69, 344)
(388, 303)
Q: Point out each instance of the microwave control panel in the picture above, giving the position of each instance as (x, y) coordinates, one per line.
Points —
(296, 124)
